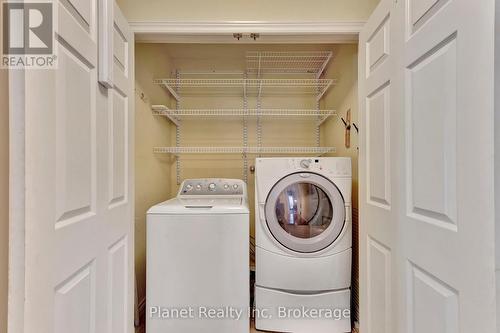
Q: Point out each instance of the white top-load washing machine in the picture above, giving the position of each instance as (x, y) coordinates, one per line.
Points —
(198, 259)
(303, 244)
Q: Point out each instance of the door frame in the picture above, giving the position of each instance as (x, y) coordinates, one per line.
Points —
(153, 32)
(308, 32)
(345, 32)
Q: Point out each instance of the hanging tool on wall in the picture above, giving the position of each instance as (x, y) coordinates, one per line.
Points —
(347, 125)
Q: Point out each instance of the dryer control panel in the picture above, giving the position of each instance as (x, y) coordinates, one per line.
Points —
(331, 166)
(212, 186)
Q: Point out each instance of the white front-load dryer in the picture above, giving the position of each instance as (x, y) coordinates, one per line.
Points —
(303, 244)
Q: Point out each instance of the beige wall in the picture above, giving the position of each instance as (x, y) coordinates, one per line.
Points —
(151, 186)
(4, 197)
(156, 173)
(245, 10)
(343, 97)
(152, 172)
(215, 132)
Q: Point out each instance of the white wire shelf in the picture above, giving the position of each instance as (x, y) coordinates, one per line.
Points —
(298, 62)
(245, 87)
(176, 115)
(241, 150)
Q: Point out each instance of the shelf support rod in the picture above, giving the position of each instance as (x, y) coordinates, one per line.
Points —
(258, 71)
(318, 118)
(161, 110)
(245, 128)
(259, 112)
(177, 130)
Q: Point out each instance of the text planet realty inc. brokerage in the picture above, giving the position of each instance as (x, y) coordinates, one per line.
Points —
(228, 312)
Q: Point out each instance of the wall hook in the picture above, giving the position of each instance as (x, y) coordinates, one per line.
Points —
(142, 96)
(254, 36)
(346, 125)
(238, 36)
(356, 127)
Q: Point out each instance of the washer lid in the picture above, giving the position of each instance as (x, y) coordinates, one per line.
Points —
(200, 206)
(305, 212)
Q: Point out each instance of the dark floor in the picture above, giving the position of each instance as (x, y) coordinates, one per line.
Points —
(252, 329)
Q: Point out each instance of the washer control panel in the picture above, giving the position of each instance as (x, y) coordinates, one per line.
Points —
(212, 186)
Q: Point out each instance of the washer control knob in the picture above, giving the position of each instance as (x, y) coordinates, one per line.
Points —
(211, 187)
(305, 164)
(189, 187)
(198, 187)
(235, 186)
(226, 186)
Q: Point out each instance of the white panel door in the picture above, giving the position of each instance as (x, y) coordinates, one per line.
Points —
(79, 185)
(378, 174)
(427, 209)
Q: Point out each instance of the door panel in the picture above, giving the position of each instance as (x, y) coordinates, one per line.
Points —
(118, 304)
(79, 216)
(421, 11)
(378, 154)
(377, 46)
(379, 287)
(432, 305)
(75, 159)
(431, 136)
(75, 301)
(378, 205)
(118, 139)
(426, 167)
(84, 10)
(446, 64)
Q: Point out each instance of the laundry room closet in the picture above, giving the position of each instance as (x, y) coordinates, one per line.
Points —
(208, 110)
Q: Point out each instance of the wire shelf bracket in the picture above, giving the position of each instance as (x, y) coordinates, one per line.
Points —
(162, 110)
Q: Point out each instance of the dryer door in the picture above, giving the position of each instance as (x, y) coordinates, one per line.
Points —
(305, 212)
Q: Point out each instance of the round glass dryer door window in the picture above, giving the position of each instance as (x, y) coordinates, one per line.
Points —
(305, 212)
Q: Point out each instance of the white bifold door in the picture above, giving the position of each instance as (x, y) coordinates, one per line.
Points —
(78, 204)
(426, 167)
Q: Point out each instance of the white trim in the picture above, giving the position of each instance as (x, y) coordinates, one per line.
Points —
(228, 39)
(271, 32)
(17, 200)
(222, 27)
